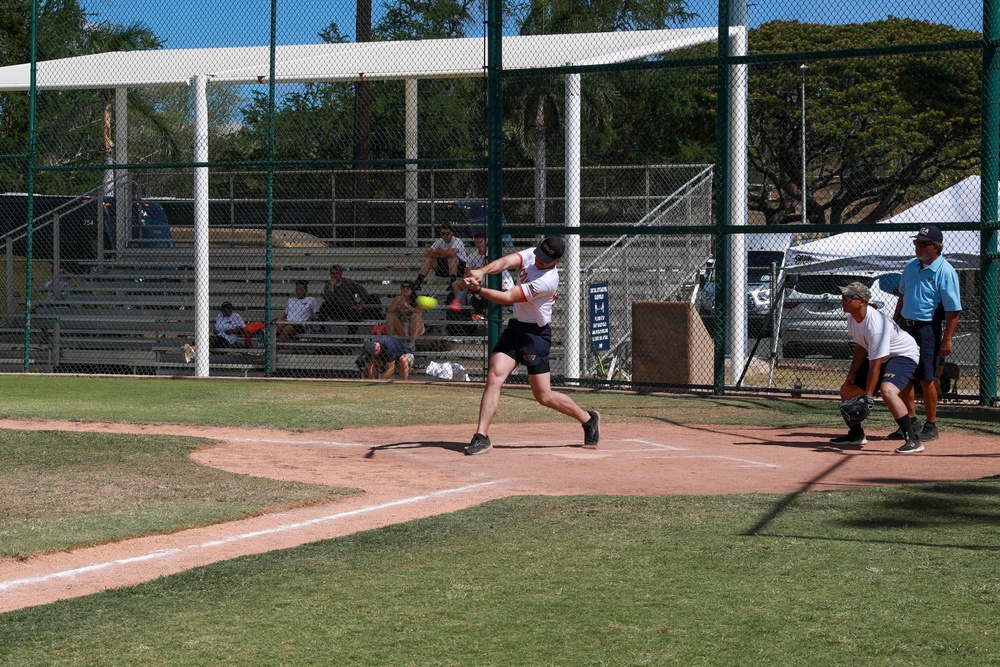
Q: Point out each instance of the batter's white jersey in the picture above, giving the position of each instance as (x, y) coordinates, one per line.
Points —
(882, 337)
(539, 287)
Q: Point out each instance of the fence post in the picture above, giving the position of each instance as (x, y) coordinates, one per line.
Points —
(269, 242)
(494, 166)
(723, 204)
(10, 280)
(333, 205)
(988, 206)
(30, 182)
(100, 230)
(55, 350)
(56, 258)
(412, 194)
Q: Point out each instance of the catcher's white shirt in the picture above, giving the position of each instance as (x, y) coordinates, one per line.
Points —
(882, 337)
(539, 287)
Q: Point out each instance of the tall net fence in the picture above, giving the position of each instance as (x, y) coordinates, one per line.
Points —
(715, 186)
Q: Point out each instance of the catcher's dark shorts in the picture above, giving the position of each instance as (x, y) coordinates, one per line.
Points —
(928, 337)
(897, 371)
(528, 344)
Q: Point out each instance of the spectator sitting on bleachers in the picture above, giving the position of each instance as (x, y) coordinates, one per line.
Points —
(299, 309)
(403, 319)
(477, 259)
(343, 299)
(446, 256)
(228, 325)
(228, 328)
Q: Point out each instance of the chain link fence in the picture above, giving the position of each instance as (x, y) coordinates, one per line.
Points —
(715, 186)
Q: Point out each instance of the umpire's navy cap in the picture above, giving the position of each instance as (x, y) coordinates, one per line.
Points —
(930, 233)
(550, 249)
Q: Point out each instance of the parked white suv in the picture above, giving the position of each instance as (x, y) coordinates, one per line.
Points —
(813, 321)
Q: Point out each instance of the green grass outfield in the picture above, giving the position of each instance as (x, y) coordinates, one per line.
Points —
(897, 576)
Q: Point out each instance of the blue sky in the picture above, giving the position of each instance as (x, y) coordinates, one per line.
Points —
(200, 23)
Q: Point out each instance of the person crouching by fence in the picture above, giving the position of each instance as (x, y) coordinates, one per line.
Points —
(381, 357)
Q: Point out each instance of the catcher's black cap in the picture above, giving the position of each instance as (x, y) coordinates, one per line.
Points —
(930, 233)
(857, 290)
(550, 249)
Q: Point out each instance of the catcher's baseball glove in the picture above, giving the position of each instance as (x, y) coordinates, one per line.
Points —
(856, 410)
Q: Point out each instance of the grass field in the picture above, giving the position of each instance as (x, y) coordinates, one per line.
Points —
(894, 576)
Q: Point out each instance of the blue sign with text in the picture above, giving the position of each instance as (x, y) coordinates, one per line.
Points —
(600, 323)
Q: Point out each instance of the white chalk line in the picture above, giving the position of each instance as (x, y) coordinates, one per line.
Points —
(727, 458)
(164, 553)
(270, 441)
(656, 447)
(659, 445)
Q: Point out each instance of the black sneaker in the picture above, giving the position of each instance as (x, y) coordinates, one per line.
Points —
(910, 447)
(480, 445)
(592, 429)
(850, 439)
(928, 432)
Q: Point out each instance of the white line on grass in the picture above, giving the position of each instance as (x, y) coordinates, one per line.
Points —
(153, 555)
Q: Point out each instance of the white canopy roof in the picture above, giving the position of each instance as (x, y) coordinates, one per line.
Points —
(432, 58)
(891, 251)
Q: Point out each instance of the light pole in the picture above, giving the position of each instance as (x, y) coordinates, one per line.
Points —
(802, 99)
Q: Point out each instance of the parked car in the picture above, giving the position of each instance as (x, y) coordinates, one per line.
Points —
(813, 321)
(763, 250)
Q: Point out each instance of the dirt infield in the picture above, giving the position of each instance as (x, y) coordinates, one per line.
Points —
(415, 472)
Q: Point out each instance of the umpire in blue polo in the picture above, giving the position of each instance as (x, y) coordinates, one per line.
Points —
(928, 282)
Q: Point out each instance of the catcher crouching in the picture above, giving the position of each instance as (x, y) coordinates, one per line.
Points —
(885, 358)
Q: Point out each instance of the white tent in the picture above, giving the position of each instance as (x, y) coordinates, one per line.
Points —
(890, 251)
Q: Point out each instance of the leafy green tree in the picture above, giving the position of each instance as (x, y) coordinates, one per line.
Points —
(317, 122)
(880, 131)
(69, 123)
(426, 19)
(533, 104)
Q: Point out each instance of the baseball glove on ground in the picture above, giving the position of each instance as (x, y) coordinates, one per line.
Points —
(856, 410)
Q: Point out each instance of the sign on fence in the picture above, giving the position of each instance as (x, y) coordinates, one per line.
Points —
(600, 325)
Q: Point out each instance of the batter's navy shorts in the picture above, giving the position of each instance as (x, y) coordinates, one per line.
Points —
(897, 371)
(528, 344)
(928, 337)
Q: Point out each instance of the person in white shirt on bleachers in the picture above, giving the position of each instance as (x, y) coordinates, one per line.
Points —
(446, 256)
(299, 309)
(228, 328)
